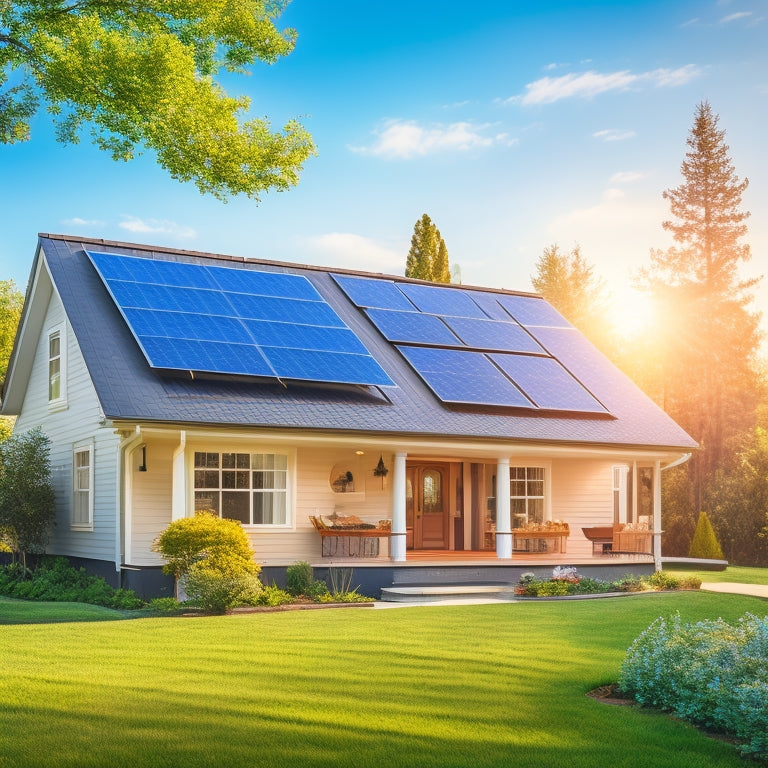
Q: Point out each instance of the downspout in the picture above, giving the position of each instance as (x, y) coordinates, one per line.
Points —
(125, 444)
(657, 470)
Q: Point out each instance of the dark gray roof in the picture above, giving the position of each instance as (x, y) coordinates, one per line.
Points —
(129, 389)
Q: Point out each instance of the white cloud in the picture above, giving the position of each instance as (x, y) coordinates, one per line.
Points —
(626, 177)
(735, 17)
(406, 139)
(78, 222)
(349, 251)
(587, 85)
(157, 226)
(613, 135)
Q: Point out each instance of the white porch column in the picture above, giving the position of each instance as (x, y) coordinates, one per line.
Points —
(503, 518)
(179, 479)
(397, 540)
(657, 515)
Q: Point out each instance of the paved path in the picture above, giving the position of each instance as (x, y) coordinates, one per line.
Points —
(757, 590)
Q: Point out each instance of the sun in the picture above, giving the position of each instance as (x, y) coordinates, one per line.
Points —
(632, 313)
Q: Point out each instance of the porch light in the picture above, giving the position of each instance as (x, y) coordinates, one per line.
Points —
(143, 465)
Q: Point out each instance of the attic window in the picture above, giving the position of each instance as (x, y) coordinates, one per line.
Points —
(56, 368)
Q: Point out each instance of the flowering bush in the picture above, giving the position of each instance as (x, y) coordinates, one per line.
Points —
(711, 673)
(566, 581)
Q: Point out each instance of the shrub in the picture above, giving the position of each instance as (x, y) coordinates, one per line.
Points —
(660, 580)
(273, 596)
(300, 580)
(57, 581)
(164, 605)
(218, 590)
(711, 673)
(553, 588)
(222, 543)
(705, 544)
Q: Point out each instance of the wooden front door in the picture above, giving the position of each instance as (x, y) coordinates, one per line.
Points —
(427, 505)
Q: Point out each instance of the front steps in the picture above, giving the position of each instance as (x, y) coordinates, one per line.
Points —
(427, 593)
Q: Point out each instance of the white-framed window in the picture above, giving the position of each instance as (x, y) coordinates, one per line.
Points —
(250, 487)
(621, 498)
(527, 495)
(57, 367)
(82, 486)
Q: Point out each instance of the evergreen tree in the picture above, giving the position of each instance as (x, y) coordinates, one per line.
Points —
(428, 255)
(705, 543)
(567, 281)
(708, 336)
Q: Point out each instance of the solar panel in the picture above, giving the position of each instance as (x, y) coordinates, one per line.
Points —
(197, 317)
(530, 310)
(547, 383)
(463, 377)
(412, 327)
(437, 300)
(493, 335)
(370, 292)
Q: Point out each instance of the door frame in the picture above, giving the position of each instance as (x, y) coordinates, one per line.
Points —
(414, 473)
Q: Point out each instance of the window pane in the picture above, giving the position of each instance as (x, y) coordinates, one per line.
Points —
(269, 508)
(243, 460)
(536, 510)
(234, 506)
(206, 478)
(517, 488)
(228, 460)
(207, 502)
(54, 379)
(80, 513)
(227, 479)
(54, 345)
(535, 487)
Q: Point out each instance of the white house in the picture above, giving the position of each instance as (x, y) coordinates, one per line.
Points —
(420, 427)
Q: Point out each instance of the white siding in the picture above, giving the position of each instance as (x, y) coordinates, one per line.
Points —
(582, 496)
(78, 421)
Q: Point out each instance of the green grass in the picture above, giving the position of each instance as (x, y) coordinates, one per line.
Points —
(733, 573)
(27, 612)
(461, 686)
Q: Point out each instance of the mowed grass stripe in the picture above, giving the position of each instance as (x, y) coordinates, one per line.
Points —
(486, 685)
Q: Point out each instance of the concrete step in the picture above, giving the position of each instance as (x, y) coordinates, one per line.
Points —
(433, 592)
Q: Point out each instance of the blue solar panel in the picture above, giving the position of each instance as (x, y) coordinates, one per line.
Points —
(529, 310)
(437, 300)
(412, 327)
(493, 335)
(547, 383)
(196, 317)
(294, 336)
(369, 292)
(463, 377)
(264, 283)
(338, 367)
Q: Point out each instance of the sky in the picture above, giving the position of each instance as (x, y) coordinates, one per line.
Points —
(513, 124)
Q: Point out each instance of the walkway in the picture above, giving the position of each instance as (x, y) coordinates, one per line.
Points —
(756, 590)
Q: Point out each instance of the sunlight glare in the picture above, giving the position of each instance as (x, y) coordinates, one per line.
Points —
(632, 313)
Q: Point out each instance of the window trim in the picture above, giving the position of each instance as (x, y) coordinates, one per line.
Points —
(86, 446)
(60, 402)
(290, 479)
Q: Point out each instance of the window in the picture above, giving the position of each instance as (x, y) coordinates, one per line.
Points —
(54, 366)
(526, 491)
(621, 497)
(249, 487)
(82, 485)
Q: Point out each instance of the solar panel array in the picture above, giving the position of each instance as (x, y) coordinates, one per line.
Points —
(475, 347)
(201, 318)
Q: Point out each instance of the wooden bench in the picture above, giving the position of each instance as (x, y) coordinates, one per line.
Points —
(557, 534)
(348, 541)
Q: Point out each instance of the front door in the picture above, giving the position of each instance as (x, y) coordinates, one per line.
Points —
(427, 507)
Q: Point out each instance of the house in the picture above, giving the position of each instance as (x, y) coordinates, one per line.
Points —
(343, 417)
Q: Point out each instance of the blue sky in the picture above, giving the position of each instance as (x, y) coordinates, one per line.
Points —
(514, 125)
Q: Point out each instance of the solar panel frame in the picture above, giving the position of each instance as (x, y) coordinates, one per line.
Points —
(532, 311)
(413, 327)
(438, 300)
(493, 335)
(368, 292)
(548, 383)
(331, 367)
(463, 377)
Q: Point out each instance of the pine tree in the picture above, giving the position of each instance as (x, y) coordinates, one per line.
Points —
(708, 337)
(705, 543)
(428, 256)
(567, 281)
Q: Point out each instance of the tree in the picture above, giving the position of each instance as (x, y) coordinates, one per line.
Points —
(705, 544)
(708, 336)
(567, 281)
(11, 302)
(27, 504)
(143, 76)
(428, 255)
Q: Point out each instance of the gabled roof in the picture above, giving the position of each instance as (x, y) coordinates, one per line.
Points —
(130, 389)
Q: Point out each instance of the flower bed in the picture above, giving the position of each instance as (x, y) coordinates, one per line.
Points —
(567, 581)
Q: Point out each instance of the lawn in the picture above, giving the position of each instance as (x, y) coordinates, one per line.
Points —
(471, 686)
(733, 573)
